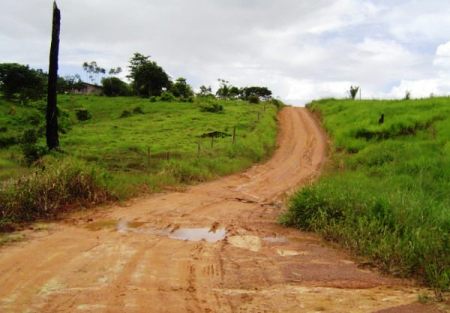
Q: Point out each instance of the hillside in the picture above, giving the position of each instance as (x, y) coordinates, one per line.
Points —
(131, 144)
(386, 192)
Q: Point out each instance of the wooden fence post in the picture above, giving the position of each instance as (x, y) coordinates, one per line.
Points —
(234, 135)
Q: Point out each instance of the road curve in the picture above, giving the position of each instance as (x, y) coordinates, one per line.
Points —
(134, 258)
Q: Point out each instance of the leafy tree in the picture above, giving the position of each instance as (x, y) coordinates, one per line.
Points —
(20, 79)
(93, 70)
(234, 92)
(113, 86)
(224, 89)
(181, 89)
(205, 91)
(69, 83)
(259, 92)
(115, 71)
(353, 91)
(148, 78)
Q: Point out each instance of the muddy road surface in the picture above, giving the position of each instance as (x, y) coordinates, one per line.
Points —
(214, 247)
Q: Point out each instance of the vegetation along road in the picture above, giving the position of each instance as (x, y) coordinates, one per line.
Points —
(214, 247)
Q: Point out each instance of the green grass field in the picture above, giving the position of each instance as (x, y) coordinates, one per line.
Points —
(160, 144)
(386, 193)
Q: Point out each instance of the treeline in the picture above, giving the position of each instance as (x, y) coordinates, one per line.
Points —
(147, 79)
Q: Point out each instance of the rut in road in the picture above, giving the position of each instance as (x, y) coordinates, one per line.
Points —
(135, 258)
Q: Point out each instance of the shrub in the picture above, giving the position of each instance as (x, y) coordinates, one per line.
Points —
(167, 96)
(113, 86)
(279, 104)
(212, 108)
(153, 99)
(48, 192)
(33, 152)
(83, 114)
(29, 136)
(253, 99)
(125, 113)
(138, 110)
(353, 91)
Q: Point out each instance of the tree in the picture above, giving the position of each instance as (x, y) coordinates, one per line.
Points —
(69, 83)
(262, 93)
(113, 86)
(353, 91)
(205, 91)
(181, 89)
(148, 78)
(20, 79)
(93, 70)
(224, 89)
(52, 110)
(115, 71)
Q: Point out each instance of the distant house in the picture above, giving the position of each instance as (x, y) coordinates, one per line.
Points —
(87, 89)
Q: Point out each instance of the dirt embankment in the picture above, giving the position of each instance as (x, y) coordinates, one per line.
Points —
(215, 247)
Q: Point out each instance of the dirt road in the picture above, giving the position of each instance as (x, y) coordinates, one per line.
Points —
(148, 256)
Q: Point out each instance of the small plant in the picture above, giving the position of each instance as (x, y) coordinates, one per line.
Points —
(153, 99)
(279, 104)
(31, 150)
(83, 114)
(138, 110)
(167, 96)
(253, 99)
(212, 108)
(125, 113)
(353, 91)
(407, 95)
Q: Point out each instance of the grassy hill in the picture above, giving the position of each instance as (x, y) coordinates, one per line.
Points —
(386, 193)
(129, 145)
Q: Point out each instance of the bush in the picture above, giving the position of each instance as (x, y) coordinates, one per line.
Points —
(33, 152)
(279, 104)
(212, 108)
(253, 99)
(83, 114)
(29, 136)
(125, 113)
(167, 96)
(153, 99)
(48, 192)
(138, 110)
(113, 86)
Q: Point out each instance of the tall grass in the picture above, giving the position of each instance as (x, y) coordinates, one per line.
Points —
(161, 144)
(59, 184)
(387, 193)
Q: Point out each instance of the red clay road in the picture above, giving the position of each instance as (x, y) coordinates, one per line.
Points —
(136, 258)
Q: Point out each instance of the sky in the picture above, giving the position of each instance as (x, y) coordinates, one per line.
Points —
(301, 49)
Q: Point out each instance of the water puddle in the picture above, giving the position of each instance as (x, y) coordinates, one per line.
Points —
(198, 234)
(276, 239)
(189, 234)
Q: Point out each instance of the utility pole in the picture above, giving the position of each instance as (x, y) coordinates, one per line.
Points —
(52, 111)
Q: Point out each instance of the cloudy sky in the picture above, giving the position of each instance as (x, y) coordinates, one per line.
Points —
(301, 49)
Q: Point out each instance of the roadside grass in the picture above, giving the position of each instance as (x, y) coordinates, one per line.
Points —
(157, 144)
(386, 194)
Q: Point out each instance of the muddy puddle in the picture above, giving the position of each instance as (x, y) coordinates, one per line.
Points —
(183, 233)
(275, 239)
(198, 234)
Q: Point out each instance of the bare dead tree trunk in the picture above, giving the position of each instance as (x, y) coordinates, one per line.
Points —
(52, 111)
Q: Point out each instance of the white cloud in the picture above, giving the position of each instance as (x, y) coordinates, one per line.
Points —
(301, 49)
